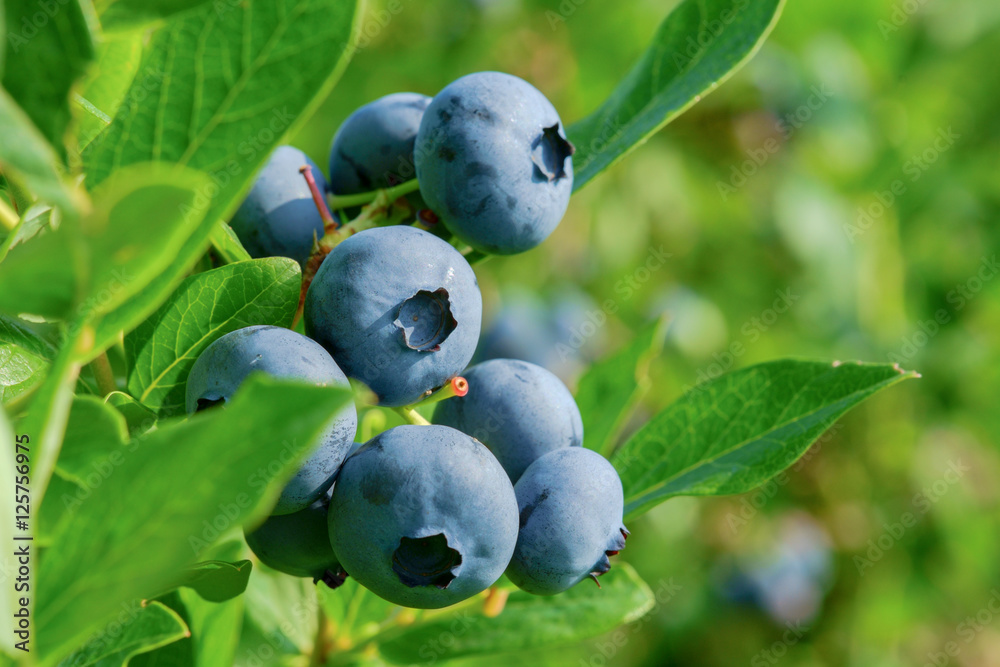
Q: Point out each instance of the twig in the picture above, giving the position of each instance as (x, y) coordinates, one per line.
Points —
(8, 218)
(392, 194)
(103, 373)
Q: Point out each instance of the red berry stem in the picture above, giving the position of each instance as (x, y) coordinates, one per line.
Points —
(324, 211)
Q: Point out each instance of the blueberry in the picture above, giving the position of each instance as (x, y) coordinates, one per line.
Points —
(570, 503)
(374, 147)
(398, 308)
(493, 162)
(221, 369)
(557, 333)
(298, 544)
(520, 329)
(519, 410)
(279, 218)
(423, 516)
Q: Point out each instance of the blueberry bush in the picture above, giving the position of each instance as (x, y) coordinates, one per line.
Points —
(181, 307)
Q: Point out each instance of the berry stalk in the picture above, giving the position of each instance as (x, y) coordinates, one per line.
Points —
(458, 386)
(412, 416)
(361, 198)
(329, 224)
(8, 218)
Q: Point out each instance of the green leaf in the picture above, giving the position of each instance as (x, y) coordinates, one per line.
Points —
(228, 245)
(48, 48)
(179, 486)
(215, 627)
(118, 14)
(732, 434)
(527, 622)
(138, 417)
(103, 90)
(699, 46)
(217, 580)
(61, 494)
(49, 410)
(215, 631)
(280, 611)
(161, 351)
(94, 432)
(91, 451)
(36, 220)
(153, 625)
(104, 261)
(28, 154)
(24, 359)
(272, 63)
(611, 388)
(41, 277)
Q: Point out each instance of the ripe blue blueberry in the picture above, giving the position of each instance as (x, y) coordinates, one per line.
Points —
(224, 365)
(298, 544)
(493, 162)
(519, 410)
(570, 503)
(423, 516)
(560, 333)
(278, 218)
(520, 329)
(398, 308)
(374, 147)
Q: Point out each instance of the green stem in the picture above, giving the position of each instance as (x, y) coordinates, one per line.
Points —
(8, 218)
(458, 386)
(319, 652)
(394, 193)
(345, 657)
(412, 416)
(103, 373)
(476, 257)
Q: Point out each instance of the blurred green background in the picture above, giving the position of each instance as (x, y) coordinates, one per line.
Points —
(850, 173)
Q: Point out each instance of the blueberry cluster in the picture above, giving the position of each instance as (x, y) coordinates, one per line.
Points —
(429, 514)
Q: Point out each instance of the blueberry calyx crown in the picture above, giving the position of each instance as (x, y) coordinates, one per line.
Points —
(603, 564)
(426, 320)
(426, 561)
(333, 578)
(549, 153)
(206, 403)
